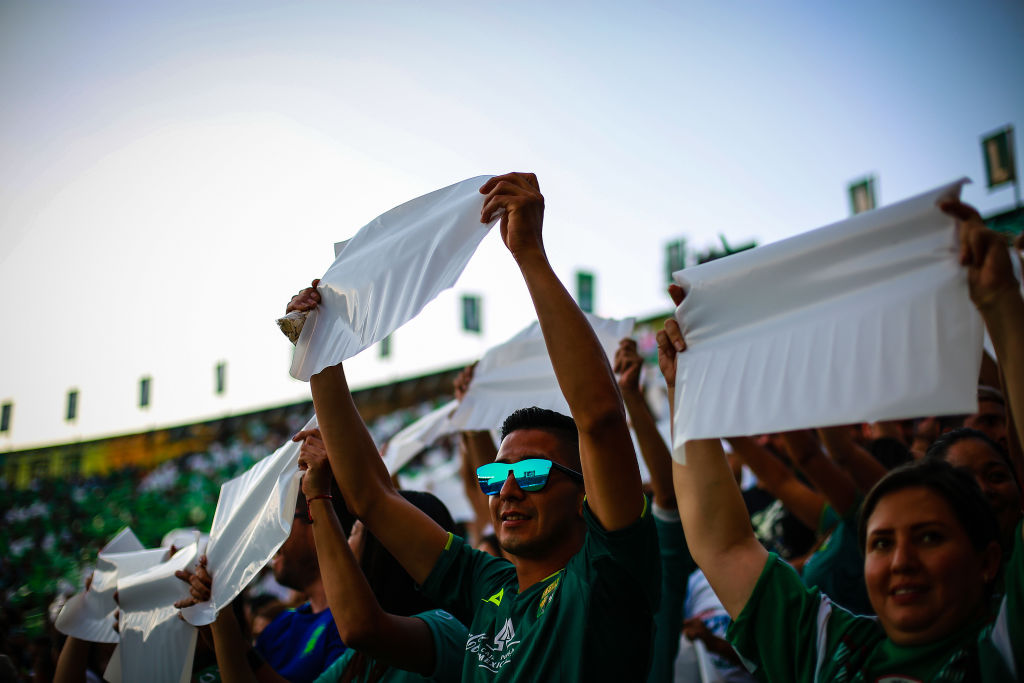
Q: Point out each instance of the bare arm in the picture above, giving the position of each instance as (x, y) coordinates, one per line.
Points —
(609, 464)
(997, 296)
(826, 476)
(402, 642)
(414, 539)
(714, 516)
(652, 447)
(861, 465)
(777, 479)
(476, 448)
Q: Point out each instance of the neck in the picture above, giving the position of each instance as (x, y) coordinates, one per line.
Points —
(317, 596)
(531, 570)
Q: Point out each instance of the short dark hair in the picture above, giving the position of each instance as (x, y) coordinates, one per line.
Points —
(561, 426)
(955, 485)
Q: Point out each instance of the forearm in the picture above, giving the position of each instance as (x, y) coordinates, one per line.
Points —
(716, 524)
(1004, 319)
(861, 465)
(73, 660)
(774, 477)
(826, 476)
(652, 448)
(358, 468)
(585, 378)
(231, 650)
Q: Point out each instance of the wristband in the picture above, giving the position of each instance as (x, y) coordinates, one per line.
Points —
(322, 496)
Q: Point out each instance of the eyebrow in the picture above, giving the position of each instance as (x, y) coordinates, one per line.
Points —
(913, 527)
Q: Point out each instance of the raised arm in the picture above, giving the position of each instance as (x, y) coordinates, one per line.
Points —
(403, 642)
(652, 446)
(825, 475)
(610, 472)
(411, 536)
(476, 448)
(714, 516)
(858, 463)
(997, 296)
(777, 479)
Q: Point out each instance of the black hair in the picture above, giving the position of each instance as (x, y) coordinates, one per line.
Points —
(940, 447)
(561, 426)
(955, 485)
(394, 588)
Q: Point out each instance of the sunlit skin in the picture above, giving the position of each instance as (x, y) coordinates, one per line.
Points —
(542, 526)
(995, 479)
(924, 577)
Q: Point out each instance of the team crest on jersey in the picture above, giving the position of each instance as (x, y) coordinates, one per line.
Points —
(547, 595)
(493, 657)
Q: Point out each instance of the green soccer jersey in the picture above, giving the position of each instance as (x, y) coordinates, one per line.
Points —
(676, 566)
(837, 567)
(788, 632)
(449, 642)
(591, 620)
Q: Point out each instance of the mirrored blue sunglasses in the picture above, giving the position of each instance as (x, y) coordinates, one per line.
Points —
(530, 474)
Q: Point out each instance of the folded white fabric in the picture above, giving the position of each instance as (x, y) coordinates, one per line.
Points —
(863, 320)
(518, 374)
(90, 615)
(253, 518)
(406, 444)
(156, 646)
(388, 272)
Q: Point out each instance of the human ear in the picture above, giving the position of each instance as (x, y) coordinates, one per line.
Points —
(991, 559)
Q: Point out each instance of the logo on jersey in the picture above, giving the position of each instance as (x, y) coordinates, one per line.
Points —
(494, 657)
(496, 598)
(547, 595)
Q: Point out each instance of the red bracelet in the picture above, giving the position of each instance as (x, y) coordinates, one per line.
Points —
(322, 496)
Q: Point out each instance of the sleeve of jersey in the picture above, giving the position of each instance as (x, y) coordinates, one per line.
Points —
(634, 548)
(463, 574)
(781, 630)
(1008, 631)
(449, 645)
(676, 566)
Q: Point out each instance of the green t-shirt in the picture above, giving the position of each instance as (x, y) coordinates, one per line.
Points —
(591, 620)
(676, 566)
(837, 568)
(788, 632)
(449, 645)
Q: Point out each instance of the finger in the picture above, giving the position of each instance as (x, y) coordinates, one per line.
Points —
(301, 436)
(203, 574)
(957, 209)
(315, 283)
(677, 293)
(675, 335)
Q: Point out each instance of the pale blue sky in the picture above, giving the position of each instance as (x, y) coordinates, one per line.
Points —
(172, 173)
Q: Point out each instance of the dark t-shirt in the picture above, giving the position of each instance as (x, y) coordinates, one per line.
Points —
(592, 620)
(299, 645)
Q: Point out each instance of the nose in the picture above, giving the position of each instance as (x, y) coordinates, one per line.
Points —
(510, 489)
(904, 558)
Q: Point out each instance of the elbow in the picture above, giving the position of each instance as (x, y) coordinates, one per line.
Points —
(601, 418)
(360, 633)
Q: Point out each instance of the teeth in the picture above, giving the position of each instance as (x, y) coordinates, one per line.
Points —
(513, 518)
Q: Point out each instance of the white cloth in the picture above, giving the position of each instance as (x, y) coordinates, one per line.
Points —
(90, 615)
(393, 267)
(518, 374)
(253, 518)
(863, 320)
(406, 444)
(156, 646)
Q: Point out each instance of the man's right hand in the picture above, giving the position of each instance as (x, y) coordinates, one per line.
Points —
(670, 340)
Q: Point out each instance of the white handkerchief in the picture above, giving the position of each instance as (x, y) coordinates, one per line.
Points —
(90, 615)
(518, 374)
(156, 646)
(253, 518)
(863, 320)
(393, 267)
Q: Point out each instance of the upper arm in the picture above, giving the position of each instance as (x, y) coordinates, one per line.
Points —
(609, 473)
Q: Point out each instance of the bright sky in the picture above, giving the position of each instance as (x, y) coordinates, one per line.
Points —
(172, 172)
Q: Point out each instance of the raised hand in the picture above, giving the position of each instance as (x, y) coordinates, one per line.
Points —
(313, 461)
(200, 584)
(627, 364)
(984, 253)
(305, 300)
(462, 381)
(518, 195)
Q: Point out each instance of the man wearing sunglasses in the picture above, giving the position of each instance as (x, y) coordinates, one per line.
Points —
(575, 599)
